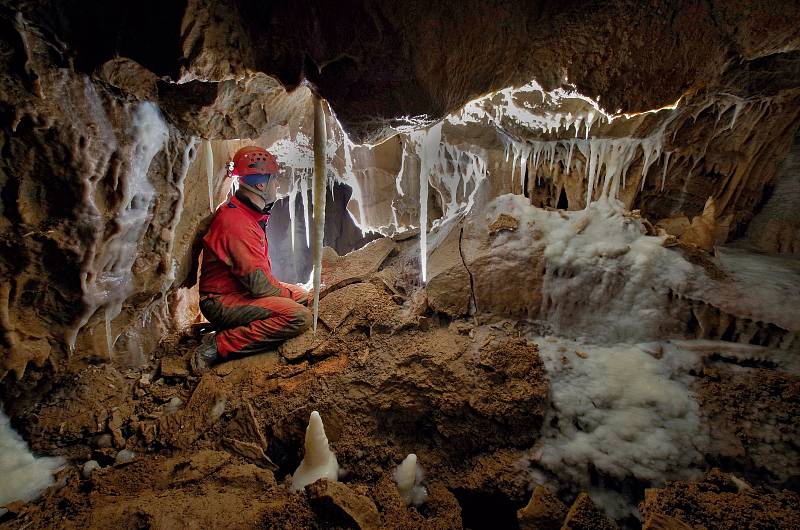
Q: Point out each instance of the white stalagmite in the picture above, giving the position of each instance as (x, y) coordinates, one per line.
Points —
(408, 477)
(318, 460)
(320, 181)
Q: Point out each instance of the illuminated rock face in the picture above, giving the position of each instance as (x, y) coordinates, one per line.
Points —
(114, 145)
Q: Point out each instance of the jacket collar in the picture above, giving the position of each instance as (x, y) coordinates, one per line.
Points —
(249, 208)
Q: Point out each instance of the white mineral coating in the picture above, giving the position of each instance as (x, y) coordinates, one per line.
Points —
(318, 461)
(623, 413)
(24, 476)
(320, 180)
(124, 456)
(108, 276)
(408, 477)
(88, 468)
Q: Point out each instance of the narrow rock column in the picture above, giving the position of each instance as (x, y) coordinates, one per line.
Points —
(320, 139)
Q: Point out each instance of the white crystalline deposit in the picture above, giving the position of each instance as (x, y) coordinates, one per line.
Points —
(621, 413)
(107, 278)
(603, 277)
(604, 161)
(318, 461)
(24, 477)
(319, 196)
(408, 477)
(427, 144)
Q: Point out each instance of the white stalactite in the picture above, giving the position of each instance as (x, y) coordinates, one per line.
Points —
(428, 143)
(320, 181)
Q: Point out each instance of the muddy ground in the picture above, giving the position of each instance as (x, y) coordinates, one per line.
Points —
(389, 378)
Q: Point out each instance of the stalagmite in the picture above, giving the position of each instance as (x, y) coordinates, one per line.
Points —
(408, 477)
(320, 182)
(318, 460)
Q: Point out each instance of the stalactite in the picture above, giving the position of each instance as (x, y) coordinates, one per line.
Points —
(320, 180)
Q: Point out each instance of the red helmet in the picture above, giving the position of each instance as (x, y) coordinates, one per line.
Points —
(253, 160)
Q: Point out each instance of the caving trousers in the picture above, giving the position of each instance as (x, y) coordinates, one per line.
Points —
(247, 325)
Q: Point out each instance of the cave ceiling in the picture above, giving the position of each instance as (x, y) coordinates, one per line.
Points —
(388, 64)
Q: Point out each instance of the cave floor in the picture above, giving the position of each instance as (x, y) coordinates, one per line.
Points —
(472, 398)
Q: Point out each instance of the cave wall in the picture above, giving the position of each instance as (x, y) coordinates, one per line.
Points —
(116, 121)
(776, 226)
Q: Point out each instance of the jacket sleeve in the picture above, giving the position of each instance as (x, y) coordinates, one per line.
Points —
(244, 250)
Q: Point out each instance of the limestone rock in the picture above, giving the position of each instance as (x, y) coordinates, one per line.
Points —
(544, 511)
(715, 501)
(659, 521)
(584, 515)
(338, 271)
(186, 425)
(359, 508)
(174, 367)
(503, 222)
(701, 232)
(337, 306)
(249, 450)
(296, 348)
(448, 288)
(675, 226)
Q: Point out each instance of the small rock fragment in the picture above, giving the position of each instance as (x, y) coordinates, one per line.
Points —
(125, 456)
(360, 508)
(543, 512)
(88, 468)
(173, 405)
(503, 222)
(659, 521)
(174, 367)
(103, 441)
(582, 223)
(584, 515)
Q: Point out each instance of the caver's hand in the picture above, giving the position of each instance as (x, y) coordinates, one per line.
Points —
(300, 295)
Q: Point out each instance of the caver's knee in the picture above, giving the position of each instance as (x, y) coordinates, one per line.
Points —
(302, 319)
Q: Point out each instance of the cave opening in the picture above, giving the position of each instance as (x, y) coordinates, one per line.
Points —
(563, 201)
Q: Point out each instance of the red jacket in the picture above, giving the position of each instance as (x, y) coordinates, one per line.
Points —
(236, 254)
